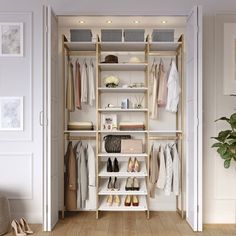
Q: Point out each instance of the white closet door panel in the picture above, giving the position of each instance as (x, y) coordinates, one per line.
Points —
(194, 120)
(51, 108)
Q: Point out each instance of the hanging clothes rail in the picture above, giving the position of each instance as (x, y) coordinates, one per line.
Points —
(164, 137)
(164, 54)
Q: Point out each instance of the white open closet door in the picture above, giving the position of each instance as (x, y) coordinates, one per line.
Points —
(194, 119)
(51, 129)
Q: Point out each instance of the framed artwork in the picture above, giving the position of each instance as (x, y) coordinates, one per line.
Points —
(11, 113)
(109, 122)
(225, 52)
(11, 40)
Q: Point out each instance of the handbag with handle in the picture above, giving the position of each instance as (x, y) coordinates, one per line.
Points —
(113, 142)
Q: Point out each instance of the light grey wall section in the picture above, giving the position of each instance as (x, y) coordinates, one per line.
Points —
(218, 208)
(21, 152)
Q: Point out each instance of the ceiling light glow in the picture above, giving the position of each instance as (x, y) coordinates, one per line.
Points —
(109, 22)
(164, 22)
(81, 21)
(136, 21)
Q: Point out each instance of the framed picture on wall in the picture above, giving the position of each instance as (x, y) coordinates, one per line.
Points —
(11, 113)
(109, 122)
(11, 39)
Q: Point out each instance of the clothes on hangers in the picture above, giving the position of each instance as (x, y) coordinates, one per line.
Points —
(155, 80)
(84, 83)
(153, 170)
(77, 85)
(174, 89)
(169, 171)
(70, 178)
(91, 83)
(162, 88)
(162, 169)
(70, 93)
(176, 169)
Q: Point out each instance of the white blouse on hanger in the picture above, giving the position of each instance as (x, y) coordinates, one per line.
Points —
(174, 89)
(91, 94)
(176, 169)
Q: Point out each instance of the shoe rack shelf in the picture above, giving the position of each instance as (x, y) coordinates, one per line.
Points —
(123, 170)
(141, 207)
(122, 181)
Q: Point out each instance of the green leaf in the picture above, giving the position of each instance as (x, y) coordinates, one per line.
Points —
(223, 135)
(223, 118)
(231, 142)
(222, 150)
(232, 120)
(227, 163)
(217, 145)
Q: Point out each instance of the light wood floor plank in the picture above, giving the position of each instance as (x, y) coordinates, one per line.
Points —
(129, 224)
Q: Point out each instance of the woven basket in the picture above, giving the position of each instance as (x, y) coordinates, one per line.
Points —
(4, 216)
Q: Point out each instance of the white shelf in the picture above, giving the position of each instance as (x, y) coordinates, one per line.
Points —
(122, 155)
(104, 207)
(104, 191)
(123, 46)
(80, 131)
(81, 46)
(123, 170)
(165, 131)
(122, 131)
(122, 110)
(123, 66)
(122, 90)
(164, 46)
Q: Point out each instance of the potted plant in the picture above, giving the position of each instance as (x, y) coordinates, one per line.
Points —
(226, 141)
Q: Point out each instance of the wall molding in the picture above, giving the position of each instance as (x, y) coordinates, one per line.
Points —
(30, 158)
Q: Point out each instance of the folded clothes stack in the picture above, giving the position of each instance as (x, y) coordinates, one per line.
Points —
(131, 125)
(87, 125)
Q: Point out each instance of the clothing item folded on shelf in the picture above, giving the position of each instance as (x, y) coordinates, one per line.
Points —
(131, 125)
(87, 125)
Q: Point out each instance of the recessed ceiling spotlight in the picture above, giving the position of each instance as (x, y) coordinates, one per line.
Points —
(164, 22)
(136, 21)
(81, 21)
(109, 22)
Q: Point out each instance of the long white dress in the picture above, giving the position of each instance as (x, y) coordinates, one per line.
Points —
(169, 171)
(162, 169)
(176, 169)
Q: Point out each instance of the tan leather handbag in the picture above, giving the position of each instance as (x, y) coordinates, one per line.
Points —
(131, 146)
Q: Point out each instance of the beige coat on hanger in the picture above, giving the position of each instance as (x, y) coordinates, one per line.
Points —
(70, 178)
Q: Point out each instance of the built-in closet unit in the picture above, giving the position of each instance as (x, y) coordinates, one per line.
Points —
(182, 128)
(139, 72)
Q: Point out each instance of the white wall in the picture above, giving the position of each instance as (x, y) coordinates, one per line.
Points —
(218, 196)
(21, 152)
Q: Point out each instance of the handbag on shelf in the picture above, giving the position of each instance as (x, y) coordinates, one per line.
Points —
(113, 142)
(132, 146)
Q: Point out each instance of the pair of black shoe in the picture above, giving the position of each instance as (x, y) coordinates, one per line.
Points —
(114, 167)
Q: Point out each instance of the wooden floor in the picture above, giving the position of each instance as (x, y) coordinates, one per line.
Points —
(129, 224)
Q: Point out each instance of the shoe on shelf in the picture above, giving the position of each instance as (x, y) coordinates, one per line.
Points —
(135, 201)
(128, 200)
(110, 184)
(25, 226)
(116, 184)
(136, 184)
(136, 165)
(130, 167)
(116, 200)
(109, 200)
(109, 165)
(16, 227)
(129, 184)
(115, 165)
